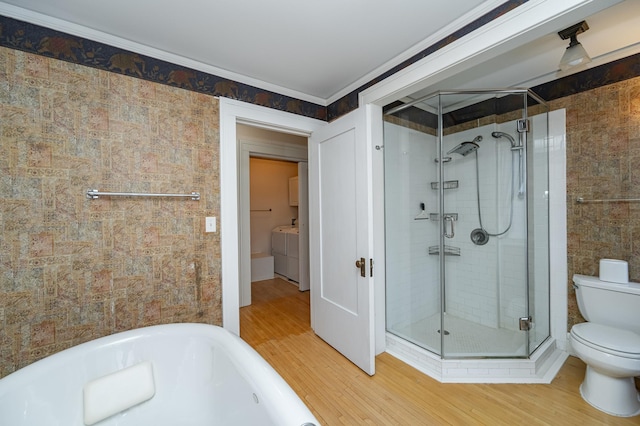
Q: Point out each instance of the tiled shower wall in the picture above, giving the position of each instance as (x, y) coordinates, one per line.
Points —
(74, 269)
(473, 285)
(603, 161)
(412, 291)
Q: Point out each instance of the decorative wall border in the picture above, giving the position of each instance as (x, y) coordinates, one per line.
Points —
(32, 38)
(592, 78)
(39, 40)
(43, 41)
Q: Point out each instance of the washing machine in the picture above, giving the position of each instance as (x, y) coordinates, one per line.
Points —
(293, 261)
(279, 250)
(285, 251)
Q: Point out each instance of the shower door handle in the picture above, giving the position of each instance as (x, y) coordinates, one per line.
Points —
(362, 264)
(448, 219)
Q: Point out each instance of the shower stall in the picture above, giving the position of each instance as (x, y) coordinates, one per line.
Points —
(466, 223)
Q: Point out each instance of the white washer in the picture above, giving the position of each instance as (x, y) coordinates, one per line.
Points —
(293, 263)
(279, 250)
(285, 252)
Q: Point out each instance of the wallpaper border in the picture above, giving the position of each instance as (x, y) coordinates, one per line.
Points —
(47, 42)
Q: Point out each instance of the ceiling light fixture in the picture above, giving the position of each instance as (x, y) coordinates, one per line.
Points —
(575, 55)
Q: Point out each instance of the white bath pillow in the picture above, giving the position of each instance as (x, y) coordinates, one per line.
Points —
(113, 393)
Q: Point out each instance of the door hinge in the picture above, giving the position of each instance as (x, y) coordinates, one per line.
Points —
(525, 323)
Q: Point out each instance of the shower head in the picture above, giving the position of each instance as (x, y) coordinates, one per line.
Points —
(499, 135)
(466, 148)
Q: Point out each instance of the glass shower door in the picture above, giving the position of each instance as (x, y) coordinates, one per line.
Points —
(484, 237)
(413, 289)
(467, 223)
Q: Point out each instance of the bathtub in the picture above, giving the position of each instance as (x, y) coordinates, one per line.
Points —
(175, 374)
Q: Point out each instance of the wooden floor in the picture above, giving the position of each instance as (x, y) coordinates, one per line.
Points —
(338, 393)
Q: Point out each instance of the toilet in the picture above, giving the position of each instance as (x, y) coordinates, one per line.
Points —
(609, 343)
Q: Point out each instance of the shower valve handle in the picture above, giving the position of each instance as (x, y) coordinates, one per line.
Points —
(450, 219)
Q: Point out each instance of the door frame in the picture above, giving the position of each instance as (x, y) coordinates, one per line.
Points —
(233, 112)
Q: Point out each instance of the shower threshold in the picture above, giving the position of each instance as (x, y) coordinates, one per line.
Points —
(541, 367)
(464, 338)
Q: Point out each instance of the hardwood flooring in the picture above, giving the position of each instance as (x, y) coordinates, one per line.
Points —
(277, 325)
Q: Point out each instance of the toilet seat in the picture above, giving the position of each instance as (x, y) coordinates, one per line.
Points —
(614, 341)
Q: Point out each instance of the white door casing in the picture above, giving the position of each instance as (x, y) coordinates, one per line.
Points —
(340, 233)
(303, 224)
(233, 112)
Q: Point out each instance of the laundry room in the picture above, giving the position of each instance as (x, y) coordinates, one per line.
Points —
(274, 216)
(277, 204)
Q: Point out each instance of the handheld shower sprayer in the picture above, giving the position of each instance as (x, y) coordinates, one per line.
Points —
(499, 135)
(515, 146)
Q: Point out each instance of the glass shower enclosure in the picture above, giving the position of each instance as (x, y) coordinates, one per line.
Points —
(466, 223)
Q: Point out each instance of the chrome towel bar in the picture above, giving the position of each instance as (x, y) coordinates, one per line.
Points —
(94, 194)
(581, 200)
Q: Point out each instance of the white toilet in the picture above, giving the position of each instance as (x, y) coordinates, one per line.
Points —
(609, 343)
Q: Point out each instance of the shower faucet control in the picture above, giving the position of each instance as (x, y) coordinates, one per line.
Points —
(450, 219)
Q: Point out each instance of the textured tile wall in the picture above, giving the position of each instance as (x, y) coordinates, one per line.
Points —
(74, 269)
(603, 161)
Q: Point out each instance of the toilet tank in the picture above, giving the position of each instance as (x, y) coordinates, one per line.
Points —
(613, 304)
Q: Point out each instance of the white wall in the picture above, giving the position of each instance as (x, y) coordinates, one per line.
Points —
(269, 199)
(246, 132)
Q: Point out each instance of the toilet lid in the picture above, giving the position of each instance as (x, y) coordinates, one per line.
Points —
(609, 338)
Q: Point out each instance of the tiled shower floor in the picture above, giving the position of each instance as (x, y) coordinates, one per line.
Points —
(465, 338)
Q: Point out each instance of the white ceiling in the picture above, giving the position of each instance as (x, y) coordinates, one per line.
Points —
(316, 51)
(614, 33)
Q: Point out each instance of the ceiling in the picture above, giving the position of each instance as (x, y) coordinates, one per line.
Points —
(613, 34)
(317, 51)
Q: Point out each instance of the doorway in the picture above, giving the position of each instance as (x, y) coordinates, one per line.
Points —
(233, 220)
(235, 152)
(270, 162)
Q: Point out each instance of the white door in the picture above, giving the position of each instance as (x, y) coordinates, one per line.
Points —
(340, 235)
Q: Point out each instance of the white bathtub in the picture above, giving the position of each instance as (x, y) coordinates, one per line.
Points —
(175, 374)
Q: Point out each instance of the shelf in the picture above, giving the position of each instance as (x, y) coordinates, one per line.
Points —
(447, 184)
(436, 216)
(448, 250)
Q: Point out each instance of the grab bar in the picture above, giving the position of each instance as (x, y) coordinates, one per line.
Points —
(581, 200)
(94, 194)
